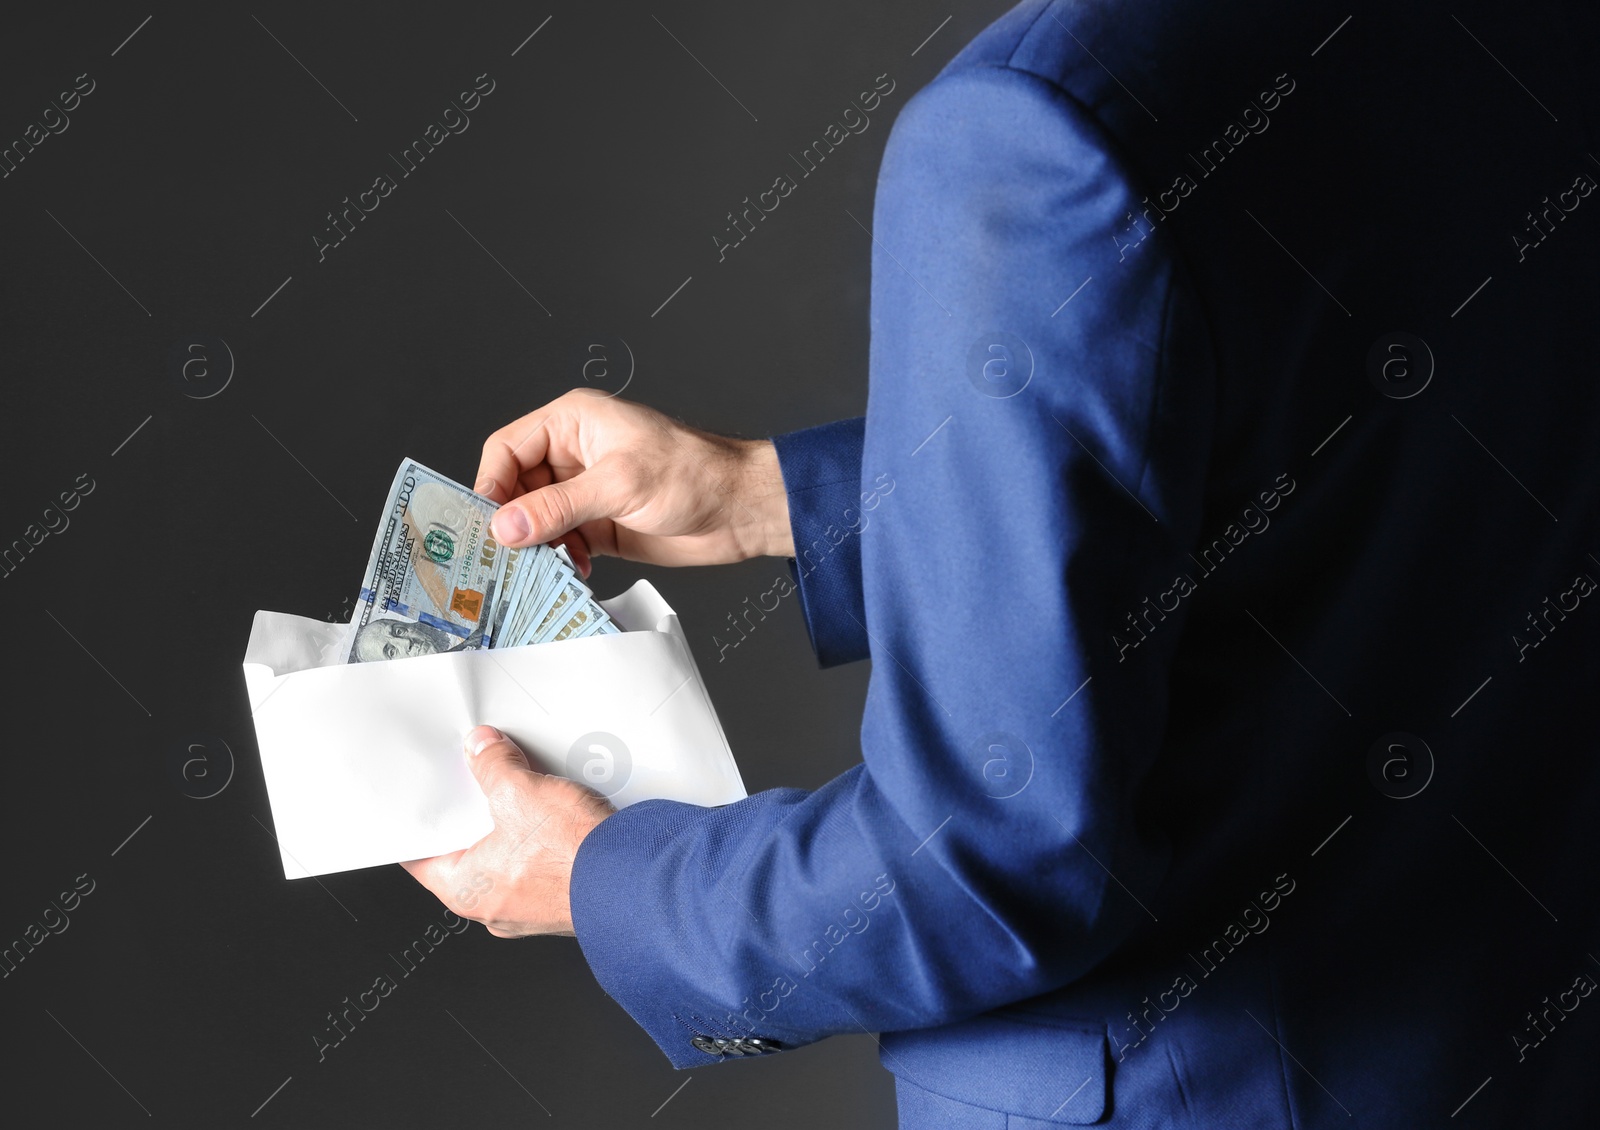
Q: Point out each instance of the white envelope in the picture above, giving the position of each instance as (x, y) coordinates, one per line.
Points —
(363, 761)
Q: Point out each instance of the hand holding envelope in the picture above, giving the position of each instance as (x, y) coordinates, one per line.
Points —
(363, 759)
(517, 880)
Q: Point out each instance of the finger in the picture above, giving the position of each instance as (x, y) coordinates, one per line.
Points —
(510, 451)
(494, 757)
(490, 489)
(444, 877)
(432, 873)
(533, 478)
(578, 549)
(547, 513)
(600, 538)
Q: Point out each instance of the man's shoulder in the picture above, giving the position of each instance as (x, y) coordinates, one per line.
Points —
(1065, 42)
(1123, 61)
(997, 44)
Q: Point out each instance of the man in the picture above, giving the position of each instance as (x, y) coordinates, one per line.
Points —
(1227, 758)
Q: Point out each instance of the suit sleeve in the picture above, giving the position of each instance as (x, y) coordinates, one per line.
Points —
(828, 511)
(1022, 589)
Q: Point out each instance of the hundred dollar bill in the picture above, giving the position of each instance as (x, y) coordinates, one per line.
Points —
(433, 572)
(566, 607)
(585, 620)
(542, 588)
(516, 560)
(530, 583)
(552, 604)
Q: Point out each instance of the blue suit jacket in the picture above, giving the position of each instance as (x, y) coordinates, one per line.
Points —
(1225, 546)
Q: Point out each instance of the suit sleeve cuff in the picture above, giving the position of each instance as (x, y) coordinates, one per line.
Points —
(619, 954)
(821, 469)
(635, 879)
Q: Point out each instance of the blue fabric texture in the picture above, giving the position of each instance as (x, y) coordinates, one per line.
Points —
(828, 512)
(1175, 576)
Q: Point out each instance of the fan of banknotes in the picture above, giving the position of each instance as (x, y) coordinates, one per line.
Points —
(438, 581)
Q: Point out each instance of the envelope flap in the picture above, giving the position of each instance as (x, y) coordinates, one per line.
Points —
(641, 608)
(283, 643)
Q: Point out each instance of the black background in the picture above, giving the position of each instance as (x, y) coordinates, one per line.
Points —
(189, 185)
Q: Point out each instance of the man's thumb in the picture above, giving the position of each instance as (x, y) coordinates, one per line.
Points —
(493, 756)
(545, 514)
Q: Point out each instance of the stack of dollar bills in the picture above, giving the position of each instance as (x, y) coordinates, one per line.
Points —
(438, 581)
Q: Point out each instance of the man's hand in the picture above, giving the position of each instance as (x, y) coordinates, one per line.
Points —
(516, 879)
(607, 476)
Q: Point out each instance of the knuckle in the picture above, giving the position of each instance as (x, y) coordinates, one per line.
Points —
(494, 451)
(501, 439)
(459, 902)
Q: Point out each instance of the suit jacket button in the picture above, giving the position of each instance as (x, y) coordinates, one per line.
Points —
(739, 1045)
